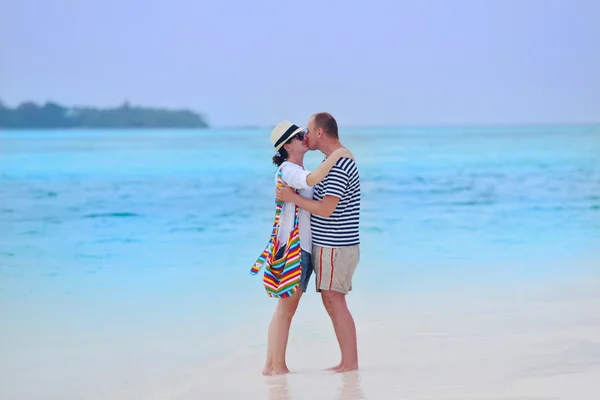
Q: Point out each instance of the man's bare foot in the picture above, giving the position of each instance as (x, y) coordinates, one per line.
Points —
(335, 368)
(267, 371)
(344, 368)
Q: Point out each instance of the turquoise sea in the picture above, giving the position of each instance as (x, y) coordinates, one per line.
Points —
(133, 248)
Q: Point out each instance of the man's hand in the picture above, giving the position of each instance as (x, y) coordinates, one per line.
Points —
(285, 193)
(324, 207)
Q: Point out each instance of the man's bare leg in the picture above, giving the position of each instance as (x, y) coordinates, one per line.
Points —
(345, 329)
(279, 330)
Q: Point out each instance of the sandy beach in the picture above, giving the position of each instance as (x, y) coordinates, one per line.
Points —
(517, 343)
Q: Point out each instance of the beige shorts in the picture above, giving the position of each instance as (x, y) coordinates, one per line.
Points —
(334, 267)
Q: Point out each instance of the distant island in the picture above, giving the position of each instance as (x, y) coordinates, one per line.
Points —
(29, 115)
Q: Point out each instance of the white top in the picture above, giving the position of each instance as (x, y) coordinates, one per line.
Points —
(295, 176)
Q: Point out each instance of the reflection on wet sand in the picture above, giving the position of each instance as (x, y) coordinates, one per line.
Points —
(351, 389)
(349, 385)
(277, 387)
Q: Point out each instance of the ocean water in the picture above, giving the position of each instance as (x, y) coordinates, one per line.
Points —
(129, 248)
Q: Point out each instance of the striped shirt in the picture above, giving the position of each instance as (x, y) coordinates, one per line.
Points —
(340, 229)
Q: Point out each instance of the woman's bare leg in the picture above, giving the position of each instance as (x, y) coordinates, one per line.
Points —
(279, 331)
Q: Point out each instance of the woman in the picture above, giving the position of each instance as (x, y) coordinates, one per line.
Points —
(290, 146)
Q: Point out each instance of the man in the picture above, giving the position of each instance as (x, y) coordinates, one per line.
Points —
(335, 210)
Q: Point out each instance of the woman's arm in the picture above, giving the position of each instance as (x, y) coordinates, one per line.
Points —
(323, 169)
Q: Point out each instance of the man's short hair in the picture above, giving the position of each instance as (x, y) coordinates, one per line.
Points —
(327, 123)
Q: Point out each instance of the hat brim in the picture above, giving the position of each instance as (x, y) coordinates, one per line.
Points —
(291, 135)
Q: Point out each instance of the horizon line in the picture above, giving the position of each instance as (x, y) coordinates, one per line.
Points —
(426, 125)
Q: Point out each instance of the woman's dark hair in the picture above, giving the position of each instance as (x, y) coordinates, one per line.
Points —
(280, 157)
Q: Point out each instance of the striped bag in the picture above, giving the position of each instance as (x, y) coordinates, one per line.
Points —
(281, 276)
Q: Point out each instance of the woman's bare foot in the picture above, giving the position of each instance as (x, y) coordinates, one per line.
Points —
(267, 371)
(280, 371)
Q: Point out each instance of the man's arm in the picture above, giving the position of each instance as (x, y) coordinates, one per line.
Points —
(322, 208)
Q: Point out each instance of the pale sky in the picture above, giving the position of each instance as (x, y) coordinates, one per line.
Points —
(258, 62)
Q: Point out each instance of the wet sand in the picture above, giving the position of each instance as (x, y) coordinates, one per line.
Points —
(515, 343)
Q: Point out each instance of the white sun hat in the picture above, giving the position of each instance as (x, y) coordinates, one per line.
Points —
(283, 132)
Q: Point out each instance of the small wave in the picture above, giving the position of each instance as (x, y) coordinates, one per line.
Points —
(5, 254)
(373, 229)
(91, 256)
(46, 194)
(117, 240)
(112, 215)
(456, 189)
(193, 229)
(226, 214)
(42, 194)
(551, 208)
(472, 203)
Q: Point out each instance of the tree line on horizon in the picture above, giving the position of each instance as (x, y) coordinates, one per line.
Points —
(29, 115)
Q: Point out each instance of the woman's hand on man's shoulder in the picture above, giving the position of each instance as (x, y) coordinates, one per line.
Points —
(344, 153)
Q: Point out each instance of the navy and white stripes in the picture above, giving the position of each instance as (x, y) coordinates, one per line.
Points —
(341, 228)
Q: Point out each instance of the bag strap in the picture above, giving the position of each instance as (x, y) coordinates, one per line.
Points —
(267, 252)
(278, 206)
